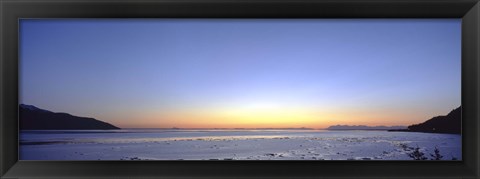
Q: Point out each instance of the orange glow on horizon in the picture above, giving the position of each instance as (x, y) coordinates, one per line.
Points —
(269, 116)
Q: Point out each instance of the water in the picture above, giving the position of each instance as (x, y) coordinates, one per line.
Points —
(168, 144)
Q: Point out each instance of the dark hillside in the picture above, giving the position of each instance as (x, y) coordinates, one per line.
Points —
(33, 118)
(451, 123)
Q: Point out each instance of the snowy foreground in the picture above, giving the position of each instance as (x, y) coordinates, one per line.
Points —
(233, 145)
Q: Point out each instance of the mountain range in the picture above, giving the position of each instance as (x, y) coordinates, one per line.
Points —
(33, 118)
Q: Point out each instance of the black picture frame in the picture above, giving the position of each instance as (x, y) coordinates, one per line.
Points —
(12, 10)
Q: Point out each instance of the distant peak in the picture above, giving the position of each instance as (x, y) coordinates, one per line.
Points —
(32, 107)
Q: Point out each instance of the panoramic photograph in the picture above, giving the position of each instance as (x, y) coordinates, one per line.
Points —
(240, 89)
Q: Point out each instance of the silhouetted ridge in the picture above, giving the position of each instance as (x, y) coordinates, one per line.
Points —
(451, 123)
(33, 118)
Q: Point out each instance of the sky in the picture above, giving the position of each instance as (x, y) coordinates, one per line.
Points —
(242, 73)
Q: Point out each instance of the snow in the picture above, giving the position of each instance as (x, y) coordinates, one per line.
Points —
(233, 145)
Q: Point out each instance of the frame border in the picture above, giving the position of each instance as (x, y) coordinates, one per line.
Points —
(12, 10)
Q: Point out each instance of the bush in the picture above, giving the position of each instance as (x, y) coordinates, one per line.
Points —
(417, 154)
(437, 155)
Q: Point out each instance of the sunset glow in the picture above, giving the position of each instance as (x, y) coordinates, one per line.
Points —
(270, 117)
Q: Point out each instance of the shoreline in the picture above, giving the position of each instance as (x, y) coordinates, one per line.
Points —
(430, 132)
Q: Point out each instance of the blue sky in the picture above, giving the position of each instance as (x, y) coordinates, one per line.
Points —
(161, 72)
